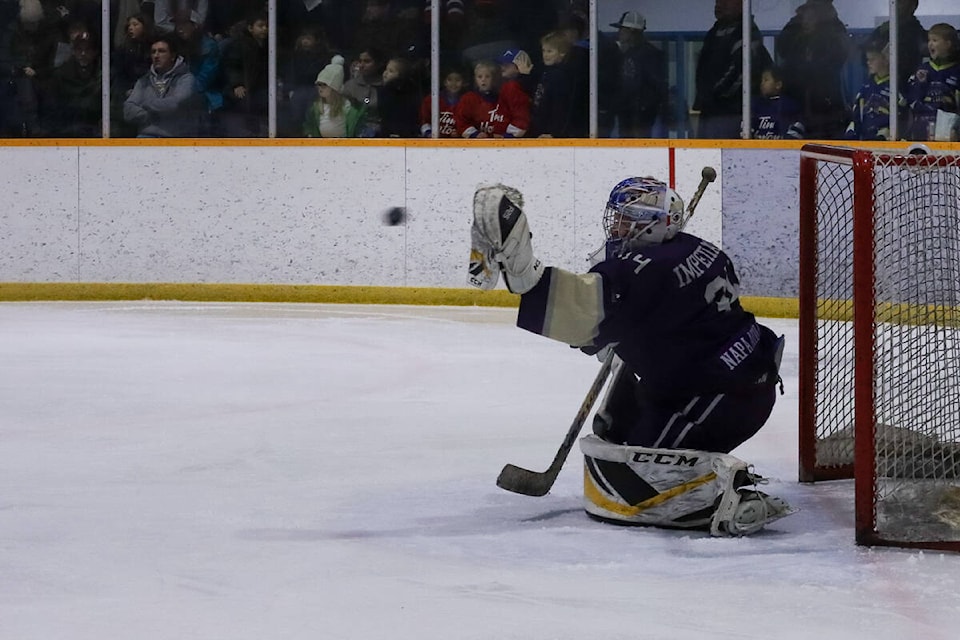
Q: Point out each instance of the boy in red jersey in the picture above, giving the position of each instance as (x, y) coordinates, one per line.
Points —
(495, 109)
(453, 86)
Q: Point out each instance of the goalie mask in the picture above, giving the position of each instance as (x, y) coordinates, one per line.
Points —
(641, 211)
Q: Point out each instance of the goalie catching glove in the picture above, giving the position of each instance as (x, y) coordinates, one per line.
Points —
(500, 238)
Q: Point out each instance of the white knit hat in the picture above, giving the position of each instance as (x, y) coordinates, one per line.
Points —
(332, 74)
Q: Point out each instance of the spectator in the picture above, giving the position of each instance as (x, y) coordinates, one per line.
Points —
(516, 87)
(775, 116)
(936, 85)
(71, 12)
(166, 12)
(120, 13)
(245, 88)
(642, 81)
(130, 62)
(64, 50)
(813, 48)
(32, 48)
(911, 40)
(310, 52)
(551, 113)
(163, 103)
(76, 91)
(515, 66)
(132, 56)
(870, 118)
(574, 25)
(719, 75)
(493, 109)
(362, 89)
(399, 101)
(202, 54)
(332, 115)
(453, 88)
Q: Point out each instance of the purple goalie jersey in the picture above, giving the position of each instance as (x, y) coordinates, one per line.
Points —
(672, 310)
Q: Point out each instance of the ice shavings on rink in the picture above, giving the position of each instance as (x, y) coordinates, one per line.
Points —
(240, 471)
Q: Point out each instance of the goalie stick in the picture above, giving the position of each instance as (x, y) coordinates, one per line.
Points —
(707, 175)
(534, 483)
(538, 483)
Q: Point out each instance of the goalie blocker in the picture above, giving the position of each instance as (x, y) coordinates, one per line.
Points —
(675, 488)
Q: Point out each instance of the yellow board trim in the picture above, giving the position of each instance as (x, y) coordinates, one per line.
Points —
(346, 294)
(594, 495)
(200, 292)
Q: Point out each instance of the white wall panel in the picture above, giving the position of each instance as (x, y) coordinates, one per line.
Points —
(313, 214)
(306, 215)
(441, 183)
(38, 221)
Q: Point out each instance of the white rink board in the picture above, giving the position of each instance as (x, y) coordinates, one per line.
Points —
(304, 215)
(38, 221)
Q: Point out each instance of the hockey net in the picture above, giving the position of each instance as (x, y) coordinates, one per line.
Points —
(880, 338)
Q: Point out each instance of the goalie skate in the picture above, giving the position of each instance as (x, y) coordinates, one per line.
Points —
(747, 510)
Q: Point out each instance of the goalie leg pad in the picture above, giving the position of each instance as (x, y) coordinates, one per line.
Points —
(674, 488)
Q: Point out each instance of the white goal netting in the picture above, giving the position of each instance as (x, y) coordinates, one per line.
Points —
(913, 338)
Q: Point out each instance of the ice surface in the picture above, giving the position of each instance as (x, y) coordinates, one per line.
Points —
(264, 471)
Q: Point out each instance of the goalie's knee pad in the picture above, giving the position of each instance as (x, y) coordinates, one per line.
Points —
(676, 488)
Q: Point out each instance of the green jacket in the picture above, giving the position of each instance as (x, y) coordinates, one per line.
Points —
(355, 116)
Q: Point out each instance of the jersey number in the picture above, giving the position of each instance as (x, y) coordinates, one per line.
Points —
(639, 259)
(722, 292)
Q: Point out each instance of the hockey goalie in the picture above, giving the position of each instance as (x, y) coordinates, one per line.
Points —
(694, 374)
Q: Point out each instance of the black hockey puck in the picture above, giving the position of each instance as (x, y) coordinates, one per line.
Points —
(394, 216)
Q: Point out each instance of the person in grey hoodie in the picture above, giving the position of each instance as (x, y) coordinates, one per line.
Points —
(164, 103)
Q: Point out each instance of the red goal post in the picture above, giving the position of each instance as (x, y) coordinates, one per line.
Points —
(879, 333)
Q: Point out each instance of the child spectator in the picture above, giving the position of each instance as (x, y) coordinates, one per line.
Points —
(775, 116)
(132, 57)
(500, 105)
(551, 114)
(492, 110)
(362, 89)
(332, 115)
(515, 66)
(871, 107)
(936, 84)
(453, 86)
(163, 103)
(399, 101)
(245, 88)
(120, 13)
(911, 40)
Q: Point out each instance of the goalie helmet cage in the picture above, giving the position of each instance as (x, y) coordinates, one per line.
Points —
(879, 333)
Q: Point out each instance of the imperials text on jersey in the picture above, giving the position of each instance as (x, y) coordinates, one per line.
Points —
(696, 263)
